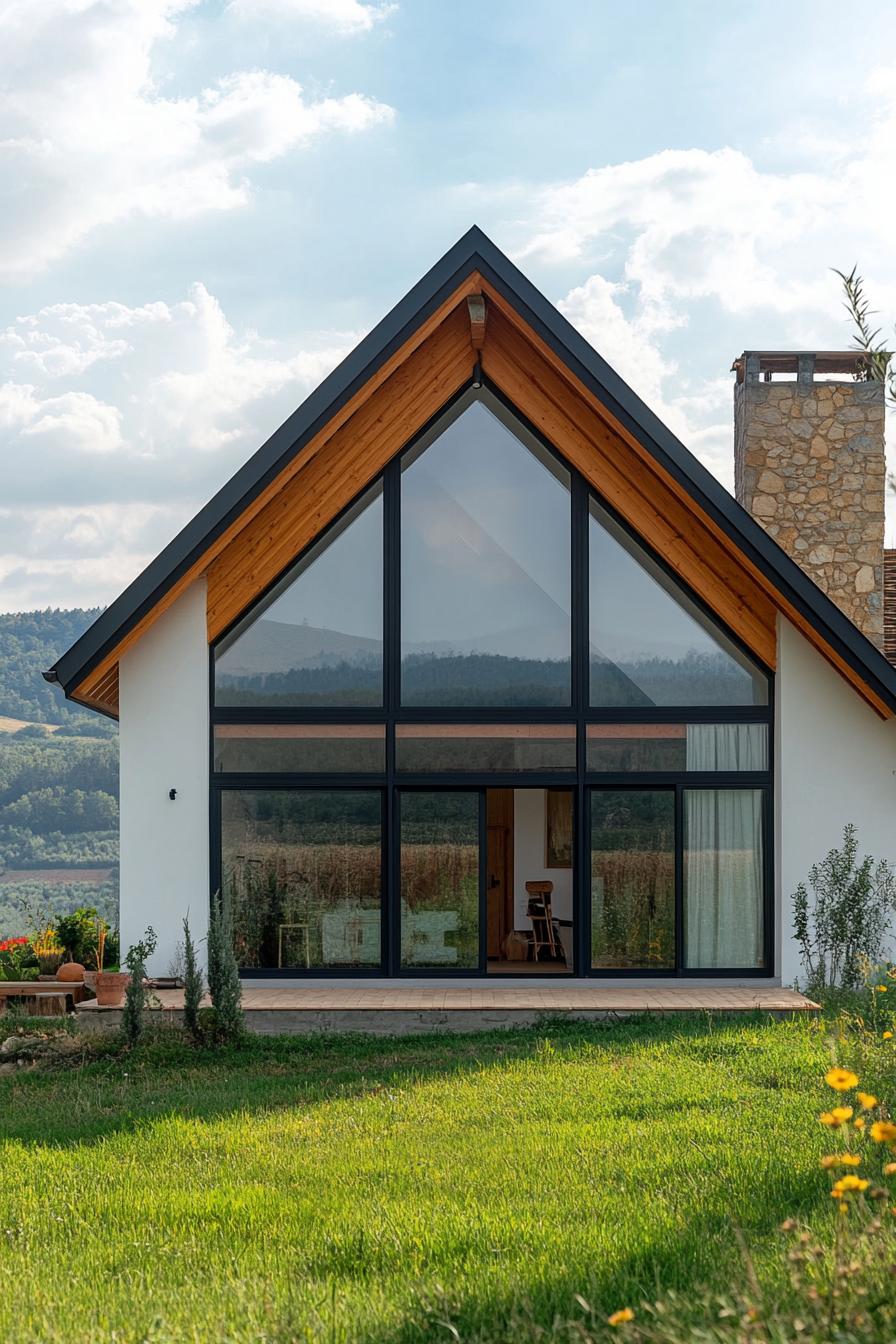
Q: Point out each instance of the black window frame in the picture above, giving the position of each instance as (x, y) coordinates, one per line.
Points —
(579, 713)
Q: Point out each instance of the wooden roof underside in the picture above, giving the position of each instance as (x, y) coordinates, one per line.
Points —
(405, 393)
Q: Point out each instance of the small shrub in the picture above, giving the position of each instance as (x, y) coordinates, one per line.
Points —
(224, 985)
(78, 935)
(844, 921)
(135, 994)
(193, 985)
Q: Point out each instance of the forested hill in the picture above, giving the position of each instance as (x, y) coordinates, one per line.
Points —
(58, 782)
(31, 641)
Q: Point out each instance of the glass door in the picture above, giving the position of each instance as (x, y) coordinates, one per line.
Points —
(441, 886)
(633, 882)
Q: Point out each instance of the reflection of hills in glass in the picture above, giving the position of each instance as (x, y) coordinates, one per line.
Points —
(278, 663)
(305, 665)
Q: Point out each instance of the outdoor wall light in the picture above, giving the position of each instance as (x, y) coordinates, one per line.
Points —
(172, 794)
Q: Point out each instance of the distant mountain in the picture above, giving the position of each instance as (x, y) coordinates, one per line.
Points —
(276, 646)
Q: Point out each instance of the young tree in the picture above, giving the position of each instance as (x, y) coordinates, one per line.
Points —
(135, 994)
(193, 985)
(224, 985)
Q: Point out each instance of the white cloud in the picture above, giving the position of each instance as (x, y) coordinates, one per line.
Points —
(77, 419)
(698, 224)
(712, 241)
(345, 16)
(88, 139)
(178, 401)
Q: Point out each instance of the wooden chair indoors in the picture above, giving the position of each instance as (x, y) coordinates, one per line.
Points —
(539, 910)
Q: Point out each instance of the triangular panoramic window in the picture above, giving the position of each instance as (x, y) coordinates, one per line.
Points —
(651, 644)
(317, 638)
(485, 566)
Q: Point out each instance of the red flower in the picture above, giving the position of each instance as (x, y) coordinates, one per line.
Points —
(9, 943)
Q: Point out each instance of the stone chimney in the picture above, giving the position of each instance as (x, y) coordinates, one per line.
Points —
(809, 466)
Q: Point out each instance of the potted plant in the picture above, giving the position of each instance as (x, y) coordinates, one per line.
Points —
(90, 977)
(110, 987)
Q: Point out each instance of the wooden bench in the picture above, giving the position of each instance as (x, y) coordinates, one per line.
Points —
(44, 990)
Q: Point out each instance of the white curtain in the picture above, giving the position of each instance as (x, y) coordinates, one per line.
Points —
(727, 746)
(723, 865)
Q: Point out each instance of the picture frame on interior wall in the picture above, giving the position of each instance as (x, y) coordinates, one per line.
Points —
(558, 828)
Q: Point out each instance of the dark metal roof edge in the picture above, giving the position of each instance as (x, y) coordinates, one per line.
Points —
(476, 251)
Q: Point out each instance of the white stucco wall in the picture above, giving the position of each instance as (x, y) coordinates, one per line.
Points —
(835, 763)
(163, 711)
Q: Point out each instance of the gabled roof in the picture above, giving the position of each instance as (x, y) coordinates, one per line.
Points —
(474, 256)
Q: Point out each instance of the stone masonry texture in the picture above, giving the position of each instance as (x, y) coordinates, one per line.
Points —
(809, 466)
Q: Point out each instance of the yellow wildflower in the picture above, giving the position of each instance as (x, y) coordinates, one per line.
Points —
(860, 1123)
(841, 1080)
(838, 1116)
(621, 1317)
(887, 1036)
(847, 1184)
(841, 1160)
(880, 989)
(866, 1101)
(883, 1131)
(890, 1169)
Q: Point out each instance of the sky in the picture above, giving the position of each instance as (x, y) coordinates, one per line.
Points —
(205, 203)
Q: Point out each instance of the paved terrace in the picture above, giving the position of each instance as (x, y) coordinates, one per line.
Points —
(399, 1009)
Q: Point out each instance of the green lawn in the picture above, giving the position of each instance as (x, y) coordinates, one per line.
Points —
(401, 1190)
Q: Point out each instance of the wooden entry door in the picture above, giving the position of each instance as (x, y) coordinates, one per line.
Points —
(499, 869)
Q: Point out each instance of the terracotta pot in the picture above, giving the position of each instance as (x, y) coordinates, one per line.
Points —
(70, 970)
(110, 988)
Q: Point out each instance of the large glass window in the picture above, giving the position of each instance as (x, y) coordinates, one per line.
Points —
(650, 644)
(317, 638)
(485, 569)
(300, 748)
(571, 752)
(723, 878)
(631, 748)
(440, 880)
(632, 879)
(499, 747)
(301, 869)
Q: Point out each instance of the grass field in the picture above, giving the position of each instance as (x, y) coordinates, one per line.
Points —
(431, 1189)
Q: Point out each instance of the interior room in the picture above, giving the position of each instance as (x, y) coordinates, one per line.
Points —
(529, 881)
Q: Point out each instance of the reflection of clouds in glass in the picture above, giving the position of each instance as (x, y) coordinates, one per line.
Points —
(327, 613)
(341, 589)
(510, 495)
(651, 630)
(485, 545)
